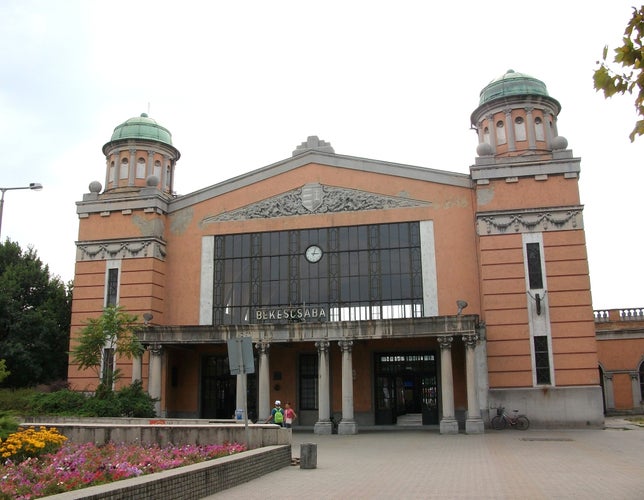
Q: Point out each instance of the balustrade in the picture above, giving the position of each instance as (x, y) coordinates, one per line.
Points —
(626, 314)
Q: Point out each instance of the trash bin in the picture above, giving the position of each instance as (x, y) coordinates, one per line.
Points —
(308, 456)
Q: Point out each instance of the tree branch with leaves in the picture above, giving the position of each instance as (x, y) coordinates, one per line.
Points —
(630, 77)
(114, 331)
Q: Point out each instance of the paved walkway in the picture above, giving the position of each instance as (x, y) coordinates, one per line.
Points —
(509, 464)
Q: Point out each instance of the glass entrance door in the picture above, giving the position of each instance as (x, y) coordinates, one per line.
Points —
(406, 383)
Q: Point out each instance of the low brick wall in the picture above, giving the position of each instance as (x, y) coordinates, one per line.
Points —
(193, 481)
(164, 432)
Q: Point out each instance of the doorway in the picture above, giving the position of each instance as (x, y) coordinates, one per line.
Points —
(406, 383)
(219, 389)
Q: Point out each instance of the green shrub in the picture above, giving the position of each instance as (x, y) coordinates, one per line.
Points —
(105, 406)
(135, 402)
(16, 400)
(8, 424)
(131, 401)
(65, 402)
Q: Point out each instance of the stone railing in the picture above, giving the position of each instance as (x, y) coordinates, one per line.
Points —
(627, 314)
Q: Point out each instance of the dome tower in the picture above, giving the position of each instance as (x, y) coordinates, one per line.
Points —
(140, 154)
(516, 117)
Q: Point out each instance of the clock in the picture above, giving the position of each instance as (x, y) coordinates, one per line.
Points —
(313, 253)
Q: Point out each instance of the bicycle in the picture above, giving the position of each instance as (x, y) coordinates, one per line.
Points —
(501, 420)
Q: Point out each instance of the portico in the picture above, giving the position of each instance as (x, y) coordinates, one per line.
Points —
(450, 332)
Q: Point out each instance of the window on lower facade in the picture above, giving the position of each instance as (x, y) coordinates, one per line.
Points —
(542, 360)
(642, 381)
(112, 287)
(535, 271)
(308, 382)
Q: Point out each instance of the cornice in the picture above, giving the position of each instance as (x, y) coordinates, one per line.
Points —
(321, 158)
(520, 167)
(530, 220)
(126, 248)
(147, 199)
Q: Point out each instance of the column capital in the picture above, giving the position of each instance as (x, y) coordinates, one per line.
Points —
(263, 347)
(345, 345)
(470, 341)
(322, 345)
(155, 349)
(445, 341)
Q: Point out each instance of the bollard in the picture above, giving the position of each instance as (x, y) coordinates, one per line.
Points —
(308, 456)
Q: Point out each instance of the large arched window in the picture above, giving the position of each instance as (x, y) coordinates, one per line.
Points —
(538, 129)
(140, 168)
(486, 135)
(124, 169)
(500, 132)
(519, 129)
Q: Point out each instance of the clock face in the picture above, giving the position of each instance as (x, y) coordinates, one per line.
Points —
(313, 253)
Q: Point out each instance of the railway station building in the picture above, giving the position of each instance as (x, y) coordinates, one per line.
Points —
(373, 292)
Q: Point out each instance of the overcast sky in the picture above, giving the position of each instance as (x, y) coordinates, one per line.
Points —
(240, 84)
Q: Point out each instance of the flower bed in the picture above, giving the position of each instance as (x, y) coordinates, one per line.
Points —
(75, 466)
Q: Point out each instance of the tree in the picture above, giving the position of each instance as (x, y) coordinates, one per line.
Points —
(631, 57)
(35, 315)
(4, 373)
(112, 333)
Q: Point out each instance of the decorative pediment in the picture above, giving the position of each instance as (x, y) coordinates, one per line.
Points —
(315, 199)
(528, 221)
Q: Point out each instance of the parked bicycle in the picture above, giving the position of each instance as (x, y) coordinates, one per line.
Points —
(502, 420)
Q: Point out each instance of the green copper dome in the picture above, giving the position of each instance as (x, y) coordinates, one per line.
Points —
(142, 127)
(511, 84)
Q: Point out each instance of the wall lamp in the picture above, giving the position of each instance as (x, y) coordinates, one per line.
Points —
(461, 304)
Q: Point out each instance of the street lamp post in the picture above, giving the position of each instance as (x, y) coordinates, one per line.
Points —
(35, 186)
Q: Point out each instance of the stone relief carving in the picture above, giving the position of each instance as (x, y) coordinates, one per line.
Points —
(315, 199)
(120, 250)
(553, 219)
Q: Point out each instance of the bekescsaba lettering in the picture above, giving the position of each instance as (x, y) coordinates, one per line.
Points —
(300, 313)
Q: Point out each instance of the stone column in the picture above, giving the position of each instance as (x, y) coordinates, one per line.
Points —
(548, 128)
(637, 394)
(149, 170)
(474, 422)
(323, 425)
(137, 368)
(530, 127)
(263, 403)
(132, 167)
(347, 425)
(448, 424)
(509, 127)
(491, 125)
(608, 388)
(154, 376)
